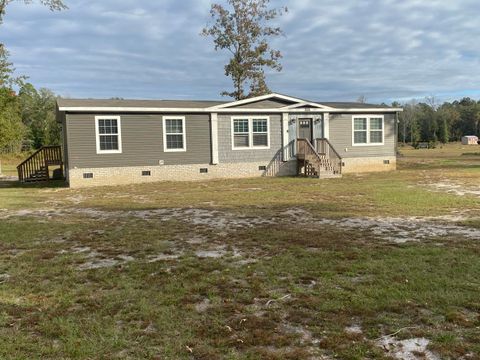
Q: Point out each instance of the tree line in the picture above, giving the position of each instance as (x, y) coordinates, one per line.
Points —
(27, 116)
(431, 122)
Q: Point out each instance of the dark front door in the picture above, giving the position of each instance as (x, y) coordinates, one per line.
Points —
(305, 130)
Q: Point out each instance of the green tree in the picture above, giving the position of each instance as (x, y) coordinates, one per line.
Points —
(38, 115)
(11, 127)
(244, 31)
(7, 79)
(469, 116)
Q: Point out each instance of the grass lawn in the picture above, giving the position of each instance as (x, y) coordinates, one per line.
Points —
(268, 268)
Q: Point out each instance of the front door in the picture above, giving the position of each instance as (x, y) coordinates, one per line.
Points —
(305, 129)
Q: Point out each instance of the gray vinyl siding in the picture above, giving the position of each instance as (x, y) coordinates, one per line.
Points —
(62, 119)
(341, 137)
(266, 104)
(142, 141)
(227, 155)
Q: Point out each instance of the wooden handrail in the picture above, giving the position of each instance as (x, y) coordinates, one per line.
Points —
(39, 162)
(335, 159)
(309, 146)
(330, 145)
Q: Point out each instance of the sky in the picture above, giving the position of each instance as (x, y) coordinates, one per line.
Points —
(333, 50)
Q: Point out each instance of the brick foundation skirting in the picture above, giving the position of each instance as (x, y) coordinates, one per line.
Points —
(369, 164)
(141, 174)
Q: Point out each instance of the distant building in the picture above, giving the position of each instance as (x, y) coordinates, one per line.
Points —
(470, 140)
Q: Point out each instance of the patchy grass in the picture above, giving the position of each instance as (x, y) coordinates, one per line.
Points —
(246, 269)
(9, 162)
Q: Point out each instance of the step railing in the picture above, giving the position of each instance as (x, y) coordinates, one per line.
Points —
(325, 148)
(39, 162)
(306, 152)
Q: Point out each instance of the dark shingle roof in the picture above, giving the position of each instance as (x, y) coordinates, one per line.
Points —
(351, 105)
(187, 104)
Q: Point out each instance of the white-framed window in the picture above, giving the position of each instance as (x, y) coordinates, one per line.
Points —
(368, 130)
(250, 132)
(108, 133)
(174, 134)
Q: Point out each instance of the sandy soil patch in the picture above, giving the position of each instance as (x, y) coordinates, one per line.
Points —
(395, 229)
(455, 188)
(162, 257)
(354, 329)
(409, 349)
(203, 306)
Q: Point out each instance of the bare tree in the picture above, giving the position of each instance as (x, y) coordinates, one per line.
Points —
(432, 101)
(409, 116)
(362, 99)
(244, 31)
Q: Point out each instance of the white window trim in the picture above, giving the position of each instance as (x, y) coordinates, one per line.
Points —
(250, 132)
(119, 134)
(368, 117)
(184, 133)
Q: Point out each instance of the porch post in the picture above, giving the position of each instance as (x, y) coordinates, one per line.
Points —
(326, 125)
(214, 137)
(285, 137)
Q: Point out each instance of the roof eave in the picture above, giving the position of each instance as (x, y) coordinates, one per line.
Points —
(84, 109)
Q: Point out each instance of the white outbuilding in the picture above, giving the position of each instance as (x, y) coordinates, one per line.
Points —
(470, 140)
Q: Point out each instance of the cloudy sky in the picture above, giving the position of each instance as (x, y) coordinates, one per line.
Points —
(333, 50)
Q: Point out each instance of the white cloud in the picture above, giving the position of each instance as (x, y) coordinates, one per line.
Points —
(332, 50)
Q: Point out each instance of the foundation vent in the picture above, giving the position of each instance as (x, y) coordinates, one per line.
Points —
(386, 162)
(88, 175)
(203, 170)
(146, 173)
(262, 168)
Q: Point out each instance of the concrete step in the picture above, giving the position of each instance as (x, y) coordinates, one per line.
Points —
(329, 176)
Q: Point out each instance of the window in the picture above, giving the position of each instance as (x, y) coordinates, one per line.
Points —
(249, 133)
(174, 134)
(241, 134)
(368, 130)
(376, 130)
(360, 131)
(260, 132)
(108, 133)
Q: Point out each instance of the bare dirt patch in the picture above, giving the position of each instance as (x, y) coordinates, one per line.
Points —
(394, 229)
(455, 188)
(409, 349)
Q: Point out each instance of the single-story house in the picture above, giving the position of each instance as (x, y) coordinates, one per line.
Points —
(109, 142)
(470, 140)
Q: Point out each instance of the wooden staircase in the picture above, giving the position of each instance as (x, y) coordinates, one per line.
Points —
(322, 162)
(36, 168)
